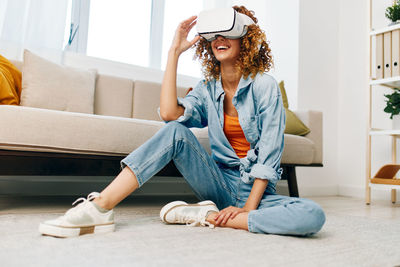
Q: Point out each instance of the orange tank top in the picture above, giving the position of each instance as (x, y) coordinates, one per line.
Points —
(235, 135)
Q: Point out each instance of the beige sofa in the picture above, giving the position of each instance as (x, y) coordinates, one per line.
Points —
(37, 141)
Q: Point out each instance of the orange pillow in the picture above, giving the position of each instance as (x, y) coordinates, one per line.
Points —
(10, 83)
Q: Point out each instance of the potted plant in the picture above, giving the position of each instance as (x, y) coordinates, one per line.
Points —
(393, 103)
(393, 12)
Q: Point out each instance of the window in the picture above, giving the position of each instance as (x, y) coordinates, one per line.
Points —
(68, 19)
(140, 32)
(119, 30)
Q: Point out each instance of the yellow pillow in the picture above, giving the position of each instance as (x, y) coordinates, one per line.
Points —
(10, 83)
(293, 124)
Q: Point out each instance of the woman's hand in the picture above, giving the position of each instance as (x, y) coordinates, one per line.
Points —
(228, 213)
(180, 43)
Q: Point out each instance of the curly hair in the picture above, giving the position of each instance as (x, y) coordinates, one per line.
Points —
(254, 57)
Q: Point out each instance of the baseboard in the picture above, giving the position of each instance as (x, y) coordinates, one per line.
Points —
(317, 191)
(157, 186)
(359, 192)
(307, 191)
(82, 185)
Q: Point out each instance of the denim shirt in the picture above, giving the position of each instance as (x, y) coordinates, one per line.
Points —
(259, 104)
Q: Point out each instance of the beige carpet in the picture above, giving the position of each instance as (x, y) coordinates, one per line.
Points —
(142, 240)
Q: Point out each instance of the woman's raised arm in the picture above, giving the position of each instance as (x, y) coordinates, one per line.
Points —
(169, 108)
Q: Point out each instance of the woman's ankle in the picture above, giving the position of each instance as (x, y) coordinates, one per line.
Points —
(102, 203)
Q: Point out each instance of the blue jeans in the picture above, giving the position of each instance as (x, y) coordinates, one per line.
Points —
(276, 214)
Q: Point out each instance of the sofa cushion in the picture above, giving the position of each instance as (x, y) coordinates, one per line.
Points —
(52, 86)
(313, 119)
(298, 150)
(113, 96)
(51, 130)
(146, 100)
(57, 131)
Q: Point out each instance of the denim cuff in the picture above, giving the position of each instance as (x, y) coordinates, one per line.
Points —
(250, 222)
(135, 171)
(265, 172)
(188, 109)
(187, 113)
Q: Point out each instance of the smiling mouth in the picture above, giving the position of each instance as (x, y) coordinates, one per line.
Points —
(222, 47)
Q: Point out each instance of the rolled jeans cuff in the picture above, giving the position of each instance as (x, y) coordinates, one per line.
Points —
(261, 171)
(135, 171)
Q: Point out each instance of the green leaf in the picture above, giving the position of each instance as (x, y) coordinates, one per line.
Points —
(388, 109)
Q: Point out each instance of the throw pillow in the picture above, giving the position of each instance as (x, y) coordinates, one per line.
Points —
(52, 86)
(10, 83)
(293, 124)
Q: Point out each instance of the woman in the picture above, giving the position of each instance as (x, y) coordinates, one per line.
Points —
(242, 107)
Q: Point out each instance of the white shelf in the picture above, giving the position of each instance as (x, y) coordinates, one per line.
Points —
(385, 132)
(392, 82)
(386, 29)
(394, 134)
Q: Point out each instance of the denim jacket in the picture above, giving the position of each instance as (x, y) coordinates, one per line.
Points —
(258, 102)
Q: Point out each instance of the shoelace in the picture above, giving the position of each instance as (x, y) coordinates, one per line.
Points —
(90, 197)
(73, 211)
(200, 220)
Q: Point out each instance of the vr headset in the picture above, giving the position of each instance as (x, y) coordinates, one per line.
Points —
(226, 22)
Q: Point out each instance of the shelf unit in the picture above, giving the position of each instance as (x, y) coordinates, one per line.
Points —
(385, 177)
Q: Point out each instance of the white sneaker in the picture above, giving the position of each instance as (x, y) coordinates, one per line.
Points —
(85, 218)
(181, 212)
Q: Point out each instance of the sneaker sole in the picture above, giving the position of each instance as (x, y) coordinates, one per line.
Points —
(167, 208)
(58, 231)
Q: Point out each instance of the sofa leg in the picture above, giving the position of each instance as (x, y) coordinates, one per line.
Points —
(292, 181)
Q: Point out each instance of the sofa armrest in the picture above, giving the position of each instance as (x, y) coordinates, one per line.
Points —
(313, 120)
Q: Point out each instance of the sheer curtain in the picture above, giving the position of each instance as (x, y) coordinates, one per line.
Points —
(38, 25)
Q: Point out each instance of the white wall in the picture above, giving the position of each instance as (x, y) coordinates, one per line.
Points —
(333, 78)
(318, 88)
(282, 29)
(352, 96)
